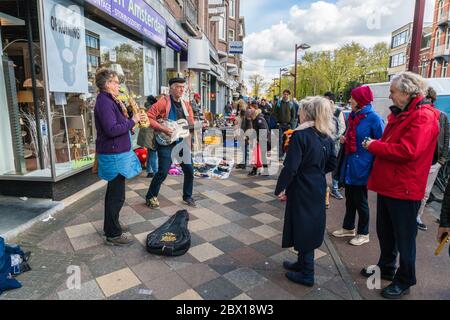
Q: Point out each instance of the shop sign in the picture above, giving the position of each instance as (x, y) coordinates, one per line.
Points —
(136, 14)
(236, 47)
(65, 46)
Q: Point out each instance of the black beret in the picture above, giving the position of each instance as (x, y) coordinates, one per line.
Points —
(176, 80)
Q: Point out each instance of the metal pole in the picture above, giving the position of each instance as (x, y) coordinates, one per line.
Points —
(416, 37)
(295, 73)
(33, 83)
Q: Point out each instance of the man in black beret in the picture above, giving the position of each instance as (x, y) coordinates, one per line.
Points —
(172, 108)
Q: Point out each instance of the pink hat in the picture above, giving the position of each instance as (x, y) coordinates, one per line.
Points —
(362, 95)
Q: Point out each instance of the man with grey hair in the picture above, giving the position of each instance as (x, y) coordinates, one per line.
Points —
(171, 108)
(399, 175)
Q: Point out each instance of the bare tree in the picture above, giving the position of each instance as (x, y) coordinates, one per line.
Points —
(257, 83)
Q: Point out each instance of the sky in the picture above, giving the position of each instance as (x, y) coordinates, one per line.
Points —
(273, 27)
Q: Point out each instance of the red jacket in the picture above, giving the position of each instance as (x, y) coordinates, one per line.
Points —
(404, 153)
(161, 109)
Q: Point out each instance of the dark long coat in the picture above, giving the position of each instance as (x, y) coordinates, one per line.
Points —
(310, 156)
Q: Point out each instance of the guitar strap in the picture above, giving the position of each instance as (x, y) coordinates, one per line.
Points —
(186, 113)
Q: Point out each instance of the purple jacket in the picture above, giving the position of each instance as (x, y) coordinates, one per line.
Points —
(112, 127)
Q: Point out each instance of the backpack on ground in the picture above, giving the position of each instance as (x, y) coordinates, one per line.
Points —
(172, 238)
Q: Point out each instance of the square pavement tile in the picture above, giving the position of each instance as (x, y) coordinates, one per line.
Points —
(105, 265)
(242, 296)
(210, 217)
(265, 218)
(150, 270)
(140, 292)
(265, 207)
(264, 190)
(128, 216)
(231, 229)
(266, 183)
(131, 194)
(88, 291)
(170, 211)
(211, 234)
(227, 244)
(317, 253)
(198, 225)
(218, 289)
(284, 255)
(245, 278)
(227, 183)
(138, 186)
(223, 264)
(196, 240)
(218, 197)
(248, 223)
(246, 210)
(188, 295)
(117, 282)
(247, 237)
(247, 256)
(135, 200)
(86, 241)
(80, 230)
(159, 221)
(142, 238)
(267, 248)
(171, 182)
(270, 291)
(204, 252)
(141, 227)
(232, 215)
(167, 286)
(265, 231)
(197, 274)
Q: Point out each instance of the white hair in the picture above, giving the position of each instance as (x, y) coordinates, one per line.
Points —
(410, 83)
(319, 110)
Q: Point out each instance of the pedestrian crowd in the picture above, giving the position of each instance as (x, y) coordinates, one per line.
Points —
(398, 160)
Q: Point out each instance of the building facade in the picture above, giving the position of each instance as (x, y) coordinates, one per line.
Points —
(440, 41)
(50, 52)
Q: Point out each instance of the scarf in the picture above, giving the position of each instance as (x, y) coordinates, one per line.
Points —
(350, 137)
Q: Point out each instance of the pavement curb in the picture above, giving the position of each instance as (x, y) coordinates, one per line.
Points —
(61, 205)
(348, 280)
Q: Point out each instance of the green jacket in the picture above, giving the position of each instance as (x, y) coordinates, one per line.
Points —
(146, 138)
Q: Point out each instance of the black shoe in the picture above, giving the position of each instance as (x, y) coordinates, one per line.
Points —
(384, 275)
(291, 266)
(394, 291)
(299, 278)
(252, 173)
(422, 226)
(190, 202)
(150, 175)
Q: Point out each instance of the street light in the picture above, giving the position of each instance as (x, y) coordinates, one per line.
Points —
(302, 46)
(281, 70)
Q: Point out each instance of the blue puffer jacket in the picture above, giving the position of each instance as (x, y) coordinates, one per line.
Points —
(357, 166)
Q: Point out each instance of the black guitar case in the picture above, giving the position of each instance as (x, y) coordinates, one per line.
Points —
(172, 238)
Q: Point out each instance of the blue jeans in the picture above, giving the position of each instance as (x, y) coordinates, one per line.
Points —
(164, 163)
(152, 161)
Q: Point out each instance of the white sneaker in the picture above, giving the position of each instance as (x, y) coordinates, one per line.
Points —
(359, 240)
(344, 233)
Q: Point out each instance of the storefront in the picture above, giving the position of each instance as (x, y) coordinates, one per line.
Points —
(51, 51)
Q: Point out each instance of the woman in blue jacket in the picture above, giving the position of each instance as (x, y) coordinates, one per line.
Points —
(363, 123)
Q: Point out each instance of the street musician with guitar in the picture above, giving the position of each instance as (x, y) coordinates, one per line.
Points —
(171, 118)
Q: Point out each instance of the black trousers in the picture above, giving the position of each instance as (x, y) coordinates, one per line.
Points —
(356, 200)
(114, 200)
(397, 231)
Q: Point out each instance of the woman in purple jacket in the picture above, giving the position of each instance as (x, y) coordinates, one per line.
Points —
(116, 160)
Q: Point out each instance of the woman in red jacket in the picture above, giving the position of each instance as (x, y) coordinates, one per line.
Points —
(403, 158)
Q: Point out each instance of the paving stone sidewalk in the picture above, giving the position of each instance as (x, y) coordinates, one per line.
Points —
(235, 252)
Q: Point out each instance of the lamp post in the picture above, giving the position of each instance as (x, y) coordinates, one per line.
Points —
(281, 70)
(302, 46)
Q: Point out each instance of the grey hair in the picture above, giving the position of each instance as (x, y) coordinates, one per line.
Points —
(319, 110)
(410, 83)
(102, 76)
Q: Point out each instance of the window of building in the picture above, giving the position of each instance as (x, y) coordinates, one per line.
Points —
(436, 40)
(423, 69)
(434, 69)
(231, 8)
(400, 39)
(447, 40)
(398, 60)
(444, 69)
(92, 42)
(440, 9)
(231, 36)
(222, 27)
